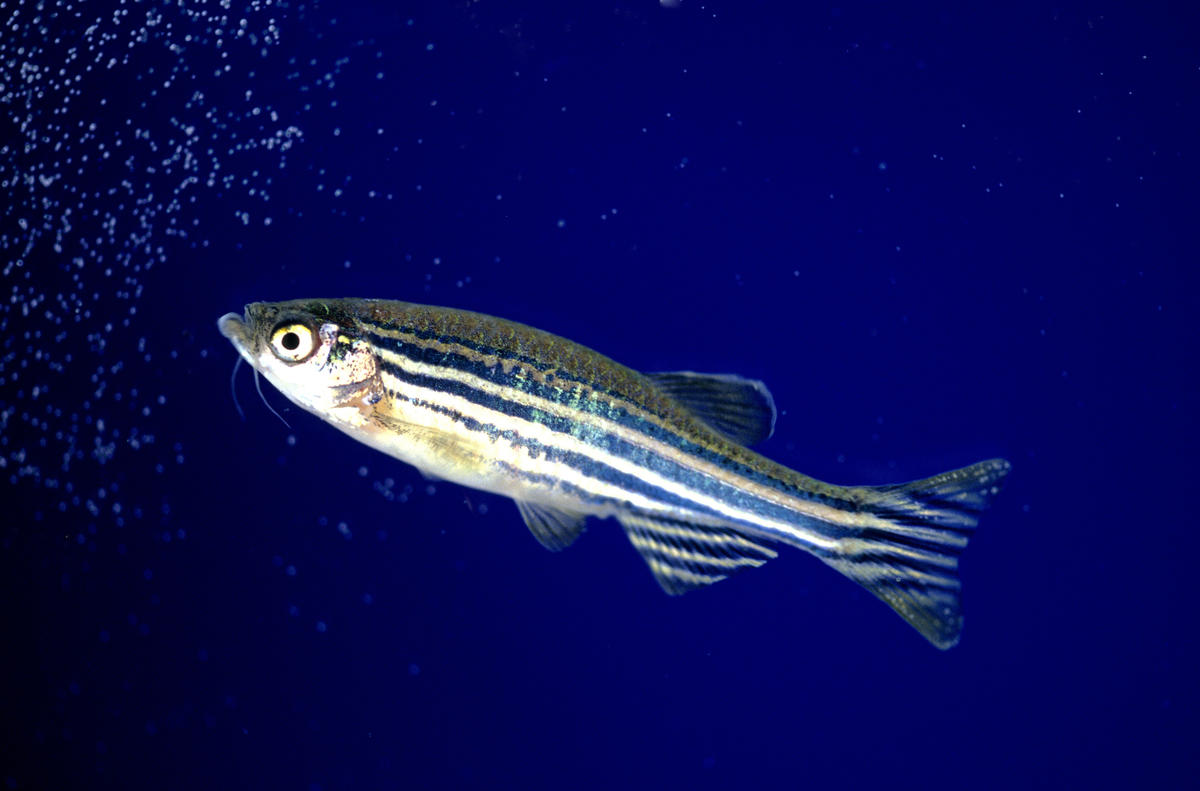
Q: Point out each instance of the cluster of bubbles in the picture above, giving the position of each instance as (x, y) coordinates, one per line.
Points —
(119, 122)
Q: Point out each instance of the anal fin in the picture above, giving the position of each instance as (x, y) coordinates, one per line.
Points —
(684, 556)
(554, 528)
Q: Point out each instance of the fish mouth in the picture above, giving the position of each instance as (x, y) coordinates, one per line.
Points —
(237, 329)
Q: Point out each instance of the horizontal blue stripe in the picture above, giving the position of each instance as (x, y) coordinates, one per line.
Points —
(609, 411)
(691, 479)
(584, 464)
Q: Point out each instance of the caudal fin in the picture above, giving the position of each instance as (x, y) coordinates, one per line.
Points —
(906, 552)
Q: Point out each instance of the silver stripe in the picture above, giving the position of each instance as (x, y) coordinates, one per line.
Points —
(521, 459)
(551, 438)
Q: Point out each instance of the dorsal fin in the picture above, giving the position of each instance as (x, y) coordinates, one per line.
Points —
(684, 556)
(554, 528)
(741, 409)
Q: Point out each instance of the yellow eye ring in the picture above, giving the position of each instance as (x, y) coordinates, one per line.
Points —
(293, 343)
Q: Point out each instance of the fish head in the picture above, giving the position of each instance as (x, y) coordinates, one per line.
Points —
(310, 350)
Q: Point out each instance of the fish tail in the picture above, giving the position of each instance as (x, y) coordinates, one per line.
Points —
(906, 549)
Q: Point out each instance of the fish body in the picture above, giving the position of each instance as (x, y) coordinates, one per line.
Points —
(571, 434)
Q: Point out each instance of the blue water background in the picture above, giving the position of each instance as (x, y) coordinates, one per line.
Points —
(939, 234)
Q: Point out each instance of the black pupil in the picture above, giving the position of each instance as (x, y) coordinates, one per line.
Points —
(290, 341)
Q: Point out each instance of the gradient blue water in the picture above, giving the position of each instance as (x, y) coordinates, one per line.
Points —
(939, 235)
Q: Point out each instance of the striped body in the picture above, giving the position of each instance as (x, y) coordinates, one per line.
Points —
(569, 433)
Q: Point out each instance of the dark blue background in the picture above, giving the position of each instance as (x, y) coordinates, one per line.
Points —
(938, 234)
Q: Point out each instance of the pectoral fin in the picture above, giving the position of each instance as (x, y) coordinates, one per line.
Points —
(741, 409)
(451, 451)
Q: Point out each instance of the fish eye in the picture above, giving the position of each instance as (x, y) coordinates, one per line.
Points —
(293, 343)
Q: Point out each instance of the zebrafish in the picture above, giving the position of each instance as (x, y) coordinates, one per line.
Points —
(570, 434)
